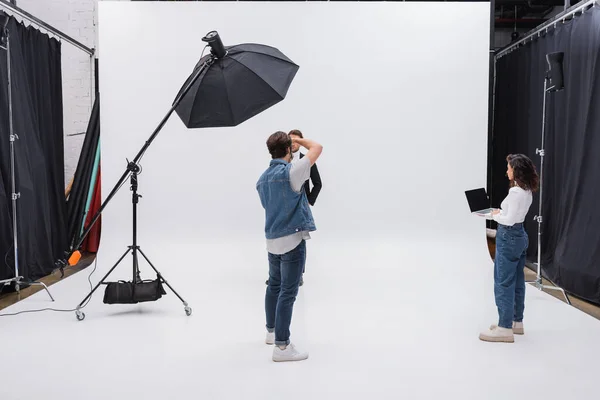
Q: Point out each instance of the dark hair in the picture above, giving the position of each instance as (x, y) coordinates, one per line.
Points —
(297, 133)
(524, 172)
(278, 144)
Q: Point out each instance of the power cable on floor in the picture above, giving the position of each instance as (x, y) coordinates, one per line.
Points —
(57, 310)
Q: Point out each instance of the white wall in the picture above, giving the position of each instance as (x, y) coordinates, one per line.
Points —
(78, 19)
(402, 116)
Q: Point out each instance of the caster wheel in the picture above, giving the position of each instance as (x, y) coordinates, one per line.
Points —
(80, 316)
(188, 311)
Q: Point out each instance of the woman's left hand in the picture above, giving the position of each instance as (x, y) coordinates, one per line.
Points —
(495, 212)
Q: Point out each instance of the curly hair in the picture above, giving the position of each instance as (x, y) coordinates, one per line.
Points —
(278, 144)
(524, 172)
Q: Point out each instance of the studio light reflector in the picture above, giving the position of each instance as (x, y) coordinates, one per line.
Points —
(233, 84)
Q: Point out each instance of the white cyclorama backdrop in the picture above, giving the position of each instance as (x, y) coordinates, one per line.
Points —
(396, 92)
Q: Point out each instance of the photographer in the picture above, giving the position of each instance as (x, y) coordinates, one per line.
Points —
(315, 177)
(288, 223)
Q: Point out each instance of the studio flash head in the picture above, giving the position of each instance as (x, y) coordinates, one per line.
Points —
(216, 45)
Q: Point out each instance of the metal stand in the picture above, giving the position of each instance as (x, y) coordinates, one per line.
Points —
(61, 263)
(538, 280)
(15, 195)
(134, 169)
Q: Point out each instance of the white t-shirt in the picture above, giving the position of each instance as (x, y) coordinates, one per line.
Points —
(296, 156)
(299, 173)
(515, 207)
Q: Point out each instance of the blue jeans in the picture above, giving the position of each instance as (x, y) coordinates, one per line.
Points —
(285, 271)
(509, 277)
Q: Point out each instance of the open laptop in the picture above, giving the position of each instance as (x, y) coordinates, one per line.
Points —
(479, 202)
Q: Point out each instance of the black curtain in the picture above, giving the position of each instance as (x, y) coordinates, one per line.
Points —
(39, 154)
(571, 176)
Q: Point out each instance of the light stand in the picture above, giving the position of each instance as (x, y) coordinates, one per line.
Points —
(132, 171)
(554, 77)
(5, 44)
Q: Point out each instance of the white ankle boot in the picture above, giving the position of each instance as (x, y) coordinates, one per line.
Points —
(497, 334)
(517, 328)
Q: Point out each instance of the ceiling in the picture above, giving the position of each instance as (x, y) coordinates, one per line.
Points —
(519, 15)
(525, 14)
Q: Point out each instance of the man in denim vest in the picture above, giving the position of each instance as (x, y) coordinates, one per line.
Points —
(315, 177)
(288, 224)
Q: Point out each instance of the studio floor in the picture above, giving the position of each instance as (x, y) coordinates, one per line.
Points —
(387, 319)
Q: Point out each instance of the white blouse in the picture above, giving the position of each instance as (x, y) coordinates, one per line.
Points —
(515, 206)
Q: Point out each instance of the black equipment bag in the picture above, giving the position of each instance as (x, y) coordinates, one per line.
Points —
(148, 290)
(123, 292)
(119, 293)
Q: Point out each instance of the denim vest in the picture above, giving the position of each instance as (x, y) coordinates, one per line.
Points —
(287, 212)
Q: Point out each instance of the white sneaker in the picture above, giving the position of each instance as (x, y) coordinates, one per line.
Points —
(289, 354)
(517, 328)
(270, 338)
(497, 334)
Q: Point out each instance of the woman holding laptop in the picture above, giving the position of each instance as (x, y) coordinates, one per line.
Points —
(511, 249)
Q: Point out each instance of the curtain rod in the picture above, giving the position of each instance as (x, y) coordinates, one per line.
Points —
(563, 16)
(24, 14)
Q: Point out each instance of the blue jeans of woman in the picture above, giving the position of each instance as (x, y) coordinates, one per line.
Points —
(509, 277)
(285, 271)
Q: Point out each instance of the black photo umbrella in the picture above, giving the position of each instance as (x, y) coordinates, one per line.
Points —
(227, 87)
(234, 88)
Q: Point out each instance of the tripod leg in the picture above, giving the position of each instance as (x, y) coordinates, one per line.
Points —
(45, 288)
(188, 310)
(538, 285)
(136, 267)
(101, 281)
(560, 290)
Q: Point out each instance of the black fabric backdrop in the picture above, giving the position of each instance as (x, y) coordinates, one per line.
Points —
(571, 176)
(39, 153)
(83, 175)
